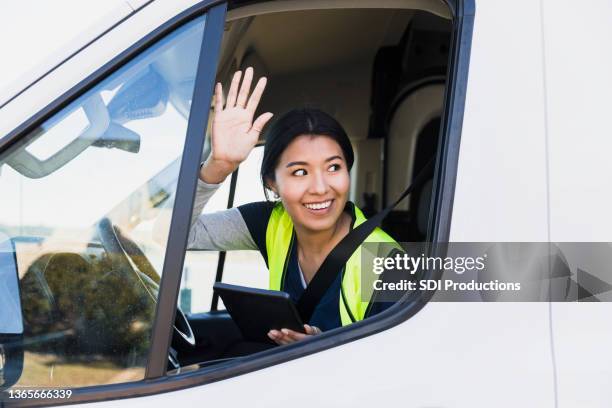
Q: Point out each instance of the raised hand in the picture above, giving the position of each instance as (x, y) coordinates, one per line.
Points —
(234, 133)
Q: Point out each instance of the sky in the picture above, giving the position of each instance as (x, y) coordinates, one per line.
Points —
(32, 30)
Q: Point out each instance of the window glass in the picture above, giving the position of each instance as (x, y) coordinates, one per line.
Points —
(92, 183)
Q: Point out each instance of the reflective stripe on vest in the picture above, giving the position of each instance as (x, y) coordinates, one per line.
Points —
(278, 239)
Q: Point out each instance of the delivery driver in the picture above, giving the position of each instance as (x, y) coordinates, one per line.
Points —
(306, 164)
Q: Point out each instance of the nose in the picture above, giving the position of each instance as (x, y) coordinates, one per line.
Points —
(318, 184)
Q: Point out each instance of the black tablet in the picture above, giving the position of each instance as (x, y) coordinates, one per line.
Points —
(257, 311)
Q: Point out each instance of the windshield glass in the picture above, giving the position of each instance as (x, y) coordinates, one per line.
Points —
(91, 185)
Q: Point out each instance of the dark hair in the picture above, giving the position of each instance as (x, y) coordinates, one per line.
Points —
(298, 122)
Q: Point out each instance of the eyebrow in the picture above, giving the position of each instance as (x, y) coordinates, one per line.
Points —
(302, 163)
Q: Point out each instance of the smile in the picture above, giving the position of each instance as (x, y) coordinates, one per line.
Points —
(318, 206)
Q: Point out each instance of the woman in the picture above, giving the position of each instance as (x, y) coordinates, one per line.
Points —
(306, 164)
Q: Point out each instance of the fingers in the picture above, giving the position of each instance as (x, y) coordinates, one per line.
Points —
(293, 335)
(245, 88)
(286, 336)
(279, 337)
(259, 124)
(241, 98)
(256, 95)
(312, 330)
(218, 97)
(233, 91)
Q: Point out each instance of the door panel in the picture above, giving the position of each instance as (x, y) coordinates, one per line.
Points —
(578, 63)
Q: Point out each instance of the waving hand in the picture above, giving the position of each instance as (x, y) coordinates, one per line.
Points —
(234, 133)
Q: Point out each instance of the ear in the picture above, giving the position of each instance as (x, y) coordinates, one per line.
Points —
(271, 185)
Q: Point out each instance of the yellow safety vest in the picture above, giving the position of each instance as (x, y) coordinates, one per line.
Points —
(279, 234)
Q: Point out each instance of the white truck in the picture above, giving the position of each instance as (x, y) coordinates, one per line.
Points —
(105, 139)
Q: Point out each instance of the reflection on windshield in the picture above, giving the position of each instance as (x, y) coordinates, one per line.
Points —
(114, 153)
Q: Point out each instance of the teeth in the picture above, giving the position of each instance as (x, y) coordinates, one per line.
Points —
(318, 206)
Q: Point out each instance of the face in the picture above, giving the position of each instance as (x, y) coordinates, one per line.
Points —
(313, 182)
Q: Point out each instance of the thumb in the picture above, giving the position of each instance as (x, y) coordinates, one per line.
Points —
(312, 330)
(259, 124)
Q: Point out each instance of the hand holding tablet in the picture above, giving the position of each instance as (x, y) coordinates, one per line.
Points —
(264, 315)
(287, 336)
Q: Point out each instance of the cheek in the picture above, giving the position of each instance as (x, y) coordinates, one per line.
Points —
(341, 183)
(289, 190)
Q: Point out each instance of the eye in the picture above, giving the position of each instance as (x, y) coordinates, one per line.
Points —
(299, 172)
(334, 167)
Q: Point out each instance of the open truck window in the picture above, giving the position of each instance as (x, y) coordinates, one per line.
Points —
(382, 74)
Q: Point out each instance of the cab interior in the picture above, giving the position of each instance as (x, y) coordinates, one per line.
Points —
(381, 73)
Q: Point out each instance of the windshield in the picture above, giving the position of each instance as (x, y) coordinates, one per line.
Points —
(77, 191)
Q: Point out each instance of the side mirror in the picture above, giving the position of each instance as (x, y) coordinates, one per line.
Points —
(11, 318)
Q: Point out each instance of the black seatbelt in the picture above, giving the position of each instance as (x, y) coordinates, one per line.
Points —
(337, 258)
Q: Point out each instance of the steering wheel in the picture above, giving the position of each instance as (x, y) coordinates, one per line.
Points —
(128, 258)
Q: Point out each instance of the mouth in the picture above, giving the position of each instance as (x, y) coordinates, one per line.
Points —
(320, 207)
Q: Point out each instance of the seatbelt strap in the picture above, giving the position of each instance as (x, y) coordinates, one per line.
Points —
(340, 254)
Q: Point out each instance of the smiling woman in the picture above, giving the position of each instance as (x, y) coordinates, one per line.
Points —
(306, 163)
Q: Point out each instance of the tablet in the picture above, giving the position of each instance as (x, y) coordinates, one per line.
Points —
(257, 311)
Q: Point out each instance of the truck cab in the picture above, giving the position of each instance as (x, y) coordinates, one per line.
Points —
(99, 156)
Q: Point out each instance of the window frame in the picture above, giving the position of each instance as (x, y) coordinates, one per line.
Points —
(445, 174)
(155, 382)
(169, 286)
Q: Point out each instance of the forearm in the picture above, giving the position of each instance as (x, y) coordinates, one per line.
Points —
(203, 193)
(219, 231)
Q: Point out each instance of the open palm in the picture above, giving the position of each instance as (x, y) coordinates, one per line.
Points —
(234, 134)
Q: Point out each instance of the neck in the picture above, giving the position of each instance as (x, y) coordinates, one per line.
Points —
(321, 242)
